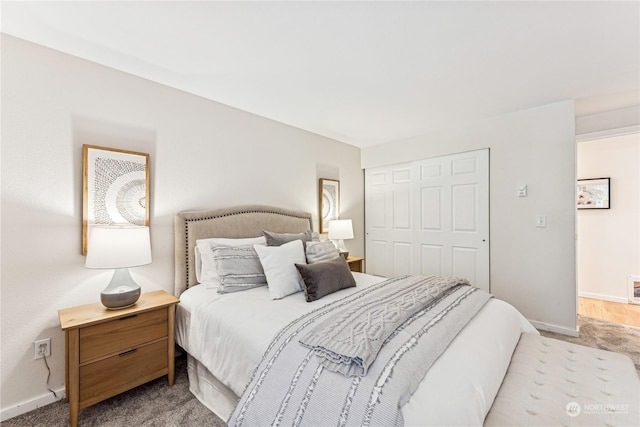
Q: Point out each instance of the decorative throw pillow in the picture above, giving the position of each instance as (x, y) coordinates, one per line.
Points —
(321, 251)
(324, 278)
(239, 268)
(206, 272)
(277, 239)
(279, 267)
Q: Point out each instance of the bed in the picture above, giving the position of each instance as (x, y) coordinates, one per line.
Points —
(228, 335)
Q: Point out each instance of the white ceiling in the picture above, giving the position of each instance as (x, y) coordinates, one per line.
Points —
(361, 72)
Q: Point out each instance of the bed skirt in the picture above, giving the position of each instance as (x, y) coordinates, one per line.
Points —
(220, 399)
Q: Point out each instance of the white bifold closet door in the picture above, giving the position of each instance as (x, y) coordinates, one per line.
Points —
(430, 217)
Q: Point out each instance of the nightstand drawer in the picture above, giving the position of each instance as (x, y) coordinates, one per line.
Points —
(111, 376)
(122, 334)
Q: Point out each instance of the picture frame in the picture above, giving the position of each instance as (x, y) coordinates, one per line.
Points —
(115, 188)
(329, 202)
(593, 193)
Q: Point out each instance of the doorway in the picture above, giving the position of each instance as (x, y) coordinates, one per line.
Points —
(608, 245)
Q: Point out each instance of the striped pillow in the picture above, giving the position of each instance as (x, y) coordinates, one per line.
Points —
(206, 271)
(239, 268)
(321, 252)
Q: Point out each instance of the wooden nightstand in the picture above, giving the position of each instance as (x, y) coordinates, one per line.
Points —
(111, 351)
(356, 264)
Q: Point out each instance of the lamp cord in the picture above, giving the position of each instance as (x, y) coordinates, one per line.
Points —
(48, 376)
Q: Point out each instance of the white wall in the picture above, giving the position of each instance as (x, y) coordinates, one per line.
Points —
(608, 244)
(531, 268)
(203, 155)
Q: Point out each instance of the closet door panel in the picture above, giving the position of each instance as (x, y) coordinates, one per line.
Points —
(430, 217)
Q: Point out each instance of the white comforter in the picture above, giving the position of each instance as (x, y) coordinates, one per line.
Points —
(228, 334)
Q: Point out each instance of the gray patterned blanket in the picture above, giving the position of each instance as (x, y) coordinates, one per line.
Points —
(349, 341)
(361, 357)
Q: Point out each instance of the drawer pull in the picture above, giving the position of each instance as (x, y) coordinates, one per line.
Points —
(128, 352)
(128, 317)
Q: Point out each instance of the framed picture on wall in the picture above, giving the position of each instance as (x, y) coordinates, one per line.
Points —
(329, 202)
(593, 193)
(115, 188)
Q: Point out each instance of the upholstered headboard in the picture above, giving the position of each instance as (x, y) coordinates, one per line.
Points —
(236, 222)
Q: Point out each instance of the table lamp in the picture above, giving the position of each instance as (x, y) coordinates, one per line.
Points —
(340, 229)
(119, 248)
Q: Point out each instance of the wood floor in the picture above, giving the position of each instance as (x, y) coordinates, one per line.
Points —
(629, 314)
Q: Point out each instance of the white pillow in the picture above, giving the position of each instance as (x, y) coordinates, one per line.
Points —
(279, 265)
(321, 251)
(206, 272)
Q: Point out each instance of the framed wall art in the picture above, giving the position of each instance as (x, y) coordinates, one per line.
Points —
(115, 188)
(593, 193)
(329, 202)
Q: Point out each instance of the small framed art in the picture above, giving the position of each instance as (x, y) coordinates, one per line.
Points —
(329, 202)
(115, 188)
(593, 193)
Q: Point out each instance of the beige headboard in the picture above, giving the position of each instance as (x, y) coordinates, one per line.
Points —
(235, 222)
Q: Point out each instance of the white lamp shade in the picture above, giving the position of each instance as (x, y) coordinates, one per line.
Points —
(118, 247)
(340, 229)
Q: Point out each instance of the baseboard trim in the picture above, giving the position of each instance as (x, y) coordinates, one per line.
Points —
(555, 328)
(610, 298)
(30, 405)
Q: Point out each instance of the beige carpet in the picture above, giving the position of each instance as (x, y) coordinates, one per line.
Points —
(607, 336)
(155, 404)
(151, 404)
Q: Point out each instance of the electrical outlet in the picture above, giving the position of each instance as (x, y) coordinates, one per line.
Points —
(42, 348)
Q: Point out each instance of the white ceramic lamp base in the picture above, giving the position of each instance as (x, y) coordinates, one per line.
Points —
(342, 249)
(122, 291)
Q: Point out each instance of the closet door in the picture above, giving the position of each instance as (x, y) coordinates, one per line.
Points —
(452, 234)
(389, 220)
(430, 217)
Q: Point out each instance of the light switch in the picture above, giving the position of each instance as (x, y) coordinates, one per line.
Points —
(522, 190)
(541, 221)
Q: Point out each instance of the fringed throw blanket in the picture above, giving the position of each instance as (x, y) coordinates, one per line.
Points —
(350, 340)
(357, 361)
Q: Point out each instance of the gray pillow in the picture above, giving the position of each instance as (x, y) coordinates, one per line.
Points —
(239, 268)
(278, 239)
(324, 278)
(321, 251)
